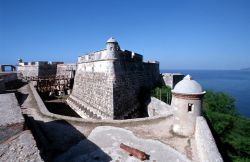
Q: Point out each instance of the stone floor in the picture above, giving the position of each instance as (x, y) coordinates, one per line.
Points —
(11, 110)
(11, 120)
(21, 147)
(105, 142)
(16, 144)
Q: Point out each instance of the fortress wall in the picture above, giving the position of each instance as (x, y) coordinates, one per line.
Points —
(38, 70)
(111, 88)
(47, 70)
(132, 81)
(206, 146)
(28, 70)
(92, 91)
(171, 79)
(66, 70)
(42, 69)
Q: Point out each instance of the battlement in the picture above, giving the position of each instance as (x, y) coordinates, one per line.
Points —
(39, 63)
(101, 55)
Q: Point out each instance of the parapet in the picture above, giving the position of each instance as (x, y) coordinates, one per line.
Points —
(39, 63)
(206, 146)
(101, 55)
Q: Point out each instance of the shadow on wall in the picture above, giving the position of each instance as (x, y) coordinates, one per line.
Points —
(47, 70)
(60, 141)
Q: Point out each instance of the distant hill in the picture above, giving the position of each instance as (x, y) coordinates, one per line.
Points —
(246, 69)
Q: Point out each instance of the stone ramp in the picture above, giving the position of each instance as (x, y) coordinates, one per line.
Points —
(11, 120)
(15, 143)
(107, 139)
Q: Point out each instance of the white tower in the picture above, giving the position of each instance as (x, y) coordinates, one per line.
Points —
(112, 48)
(187, 103)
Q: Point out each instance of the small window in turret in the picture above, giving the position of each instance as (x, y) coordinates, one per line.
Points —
(190, 107)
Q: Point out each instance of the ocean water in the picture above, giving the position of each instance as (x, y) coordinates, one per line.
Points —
(233, 82)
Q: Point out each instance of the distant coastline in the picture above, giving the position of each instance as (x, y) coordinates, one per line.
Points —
(246, 69)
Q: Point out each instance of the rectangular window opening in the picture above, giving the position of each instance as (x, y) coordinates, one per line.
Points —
(190, 107)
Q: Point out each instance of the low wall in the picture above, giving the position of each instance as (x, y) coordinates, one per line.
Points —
(206, 146)
(91, 122)
(158, 107)
(8, 76)
(2, 86)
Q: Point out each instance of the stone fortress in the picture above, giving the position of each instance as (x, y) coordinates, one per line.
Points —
(110, 84)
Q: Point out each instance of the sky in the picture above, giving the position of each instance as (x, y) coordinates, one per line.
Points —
(181, 34)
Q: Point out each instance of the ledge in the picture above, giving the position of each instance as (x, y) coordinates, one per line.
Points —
(43, 111)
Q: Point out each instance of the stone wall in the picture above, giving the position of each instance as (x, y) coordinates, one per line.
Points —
(66, 70)
(206, 146)
(132, 79)
(158, 107)
(46, 69)
(92, 93)
(28, 70)
(171, 79)
(37, 69)
(111, 86)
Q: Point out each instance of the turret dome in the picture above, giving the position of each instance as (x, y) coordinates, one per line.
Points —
(111, 40)
(188, 86)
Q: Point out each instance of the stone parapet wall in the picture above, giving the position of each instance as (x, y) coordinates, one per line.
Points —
(111, 87)
(105, 55)
(43, 111)
(8, 76)
(171, 79)
(66, 70)
(37, 70)
(158, 107)
(45, 69)
(206, 146)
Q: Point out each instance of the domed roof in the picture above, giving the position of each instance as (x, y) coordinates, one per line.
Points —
(188, 86)
(111, 40)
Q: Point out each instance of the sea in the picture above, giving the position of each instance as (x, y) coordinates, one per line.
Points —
(235, 83)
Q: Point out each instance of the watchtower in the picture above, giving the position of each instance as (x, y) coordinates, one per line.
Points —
(187, 104)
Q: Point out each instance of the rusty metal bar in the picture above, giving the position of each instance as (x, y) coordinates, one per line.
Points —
(134, 152)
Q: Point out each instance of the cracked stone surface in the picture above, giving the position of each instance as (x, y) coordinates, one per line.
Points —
(21, 147)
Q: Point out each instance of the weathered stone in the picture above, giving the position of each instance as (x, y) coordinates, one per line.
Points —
(21, 147)
(45, 68)
(206, 146)
(158, 107)
(94, 148)
(11, 121)
(171, 79)
(109, 83)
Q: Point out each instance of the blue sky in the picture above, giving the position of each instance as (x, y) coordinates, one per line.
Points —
(181, 34)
